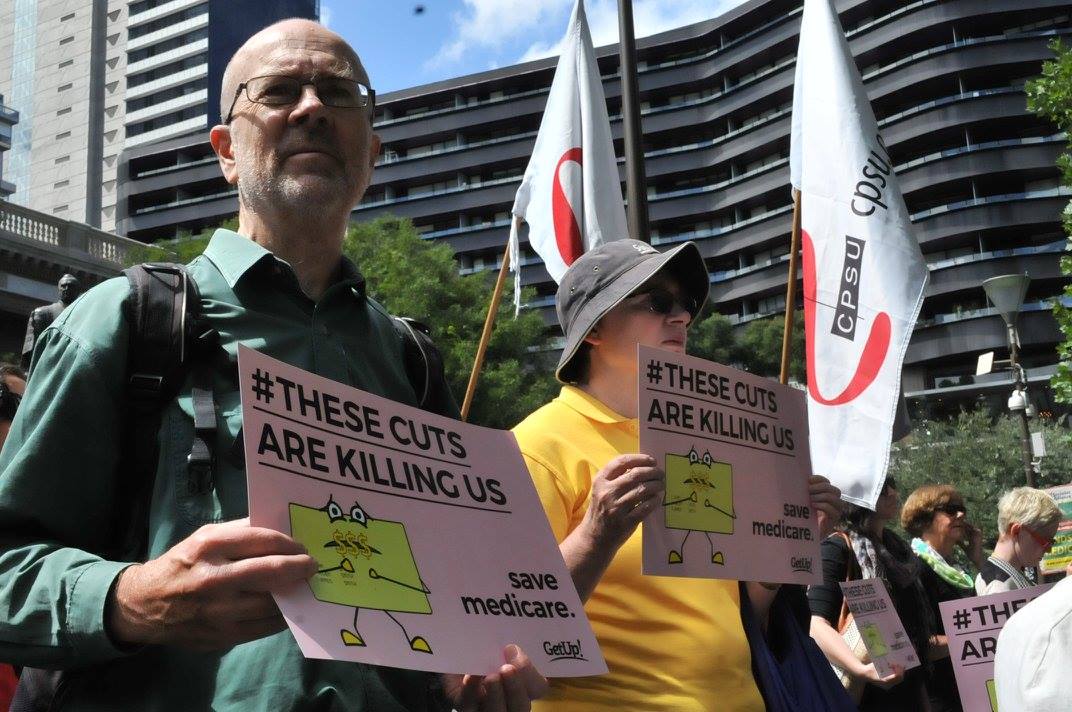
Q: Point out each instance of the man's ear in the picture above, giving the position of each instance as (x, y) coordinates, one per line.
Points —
(220, 138)
(374, 149)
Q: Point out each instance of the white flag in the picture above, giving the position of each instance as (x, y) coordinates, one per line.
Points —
(571, 196)
(864, 275)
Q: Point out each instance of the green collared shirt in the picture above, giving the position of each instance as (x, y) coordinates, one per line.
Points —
(58, 480)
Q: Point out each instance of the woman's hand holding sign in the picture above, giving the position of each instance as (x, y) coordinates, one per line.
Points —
(624, 491)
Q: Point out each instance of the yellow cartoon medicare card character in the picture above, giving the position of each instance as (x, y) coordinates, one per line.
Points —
(699, 497)
(364, 563)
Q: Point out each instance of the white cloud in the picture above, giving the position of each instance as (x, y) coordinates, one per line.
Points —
(496, 25)
(650, 17)
(326, 15)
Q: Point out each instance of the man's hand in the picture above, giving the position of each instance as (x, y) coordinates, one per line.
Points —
(211, 590)
(625, 491)
(826, 501)
(511, 689)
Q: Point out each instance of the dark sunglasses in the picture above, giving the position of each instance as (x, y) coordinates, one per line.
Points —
(662, 301)
(283, 90)
(952, 509)
(9, 402)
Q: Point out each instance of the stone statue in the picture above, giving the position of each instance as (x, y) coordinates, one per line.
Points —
(69, 288)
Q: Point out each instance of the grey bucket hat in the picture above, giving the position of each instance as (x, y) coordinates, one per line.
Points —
(602, 277)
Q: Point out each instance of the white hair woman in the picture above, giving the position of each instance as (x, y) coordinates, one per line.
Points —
(1027, 524)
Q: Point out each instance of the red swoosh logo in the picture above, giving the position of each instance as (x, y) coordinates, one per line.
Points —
(567, 231)
(874, 353)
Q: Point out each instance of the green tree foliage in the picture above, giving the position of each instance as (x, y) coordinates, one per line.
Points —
(182, 249)
(416, 278)
(756, 348)
(1050, 96)
(981, 457)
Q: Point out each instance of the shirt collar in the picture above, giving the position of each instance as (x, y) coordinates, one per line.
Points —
(234, 255)
(589, 406)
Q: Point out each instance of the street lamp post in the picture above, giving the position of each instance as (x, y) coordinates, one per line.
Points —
(1007, 293)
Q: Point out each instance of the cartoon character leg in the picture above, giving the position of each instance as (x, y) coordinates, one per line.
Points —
(351, 638)
(716, 556)
(416, 643)
(678, 555)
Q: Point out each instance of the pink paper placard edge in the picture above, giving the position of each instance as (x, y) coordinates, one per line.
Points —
(434, 549)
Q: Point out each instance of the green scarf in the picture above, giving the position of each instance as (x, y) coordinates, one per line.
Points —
(950, 574)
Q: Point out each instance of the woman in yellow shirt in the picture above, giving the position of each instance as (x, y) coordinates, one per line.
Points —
(671, 643)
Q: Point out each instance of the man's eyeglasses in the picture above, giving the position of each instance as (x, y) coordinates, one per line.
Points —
(661, 301)
(282, 90)
(1042, 541)
(952, 509)
(9, 402)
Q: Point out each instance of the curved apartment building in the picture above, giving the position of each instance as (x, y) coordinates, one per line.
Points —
(945, 78)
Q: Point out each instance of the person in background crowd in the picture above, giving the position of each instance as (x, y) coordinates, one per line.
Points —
(192, 625)
(935, 515)
(865, 548)
(1031, 664)
(675, 644)
(12, 386)
(1027, 524)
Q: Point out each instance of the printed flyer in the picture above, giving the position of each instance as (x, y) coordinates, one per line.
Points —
(972, 626)
(1060, 555)
(880, 627)
(735, 451)
(433, 548)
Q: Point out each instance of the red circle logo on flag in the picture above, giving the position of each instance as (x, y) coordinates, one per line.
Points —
(567, 231)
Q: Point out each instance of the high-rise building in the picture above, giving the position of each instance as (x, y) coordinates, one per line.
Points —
(8, 118)
(91, 77)
(946, 80)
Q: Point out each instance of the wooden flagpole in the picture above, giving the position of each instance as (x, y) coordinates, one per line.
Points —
(485, 336)
(791, 290)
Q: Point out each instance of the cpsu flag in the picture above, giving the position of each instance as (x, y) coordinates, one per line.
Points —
(571, 196)
(863, 272)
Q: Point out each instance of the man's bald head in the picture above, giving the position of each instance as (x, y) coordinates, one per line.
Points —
(259, 50)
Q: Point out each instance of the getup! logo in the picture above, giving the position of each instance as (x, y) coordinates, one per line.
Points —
(564, 649)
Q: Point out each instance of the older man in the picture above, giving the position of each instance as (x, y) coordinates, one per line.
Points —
(195, 627)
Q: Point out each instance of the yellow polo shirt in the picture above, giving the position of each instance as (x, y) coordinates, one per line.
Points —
(673, 644)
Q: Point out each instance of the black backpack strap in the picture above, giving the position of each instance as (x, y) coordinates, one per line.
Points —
(424, 367)
(167, 338)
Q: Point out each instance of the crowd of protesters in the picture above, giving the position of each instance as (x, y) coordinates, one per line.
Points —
(182, 629)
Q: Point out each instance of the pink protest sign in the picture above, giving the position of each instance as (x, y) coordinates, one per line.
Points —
(879, 625)
(972, 626)
(735, 450)
(433, 548)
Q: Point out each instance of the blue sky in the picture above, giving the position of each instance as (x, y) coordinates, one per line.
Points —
(401, 49)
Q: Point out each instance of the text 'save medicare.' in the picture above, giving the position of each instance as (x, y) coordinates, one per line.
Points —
(432, 546)
(735, 451)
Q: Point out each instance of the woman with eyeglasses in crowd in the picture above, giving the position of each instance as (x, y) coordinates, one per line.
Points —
(863, 547)
(674, 644)
(1027, 524)
(936, 517)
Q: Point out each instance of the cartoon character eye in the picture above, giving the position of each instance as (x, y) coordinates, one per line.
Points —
(693, 456)
(334, 511)
(358, 515)
(707, 459)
